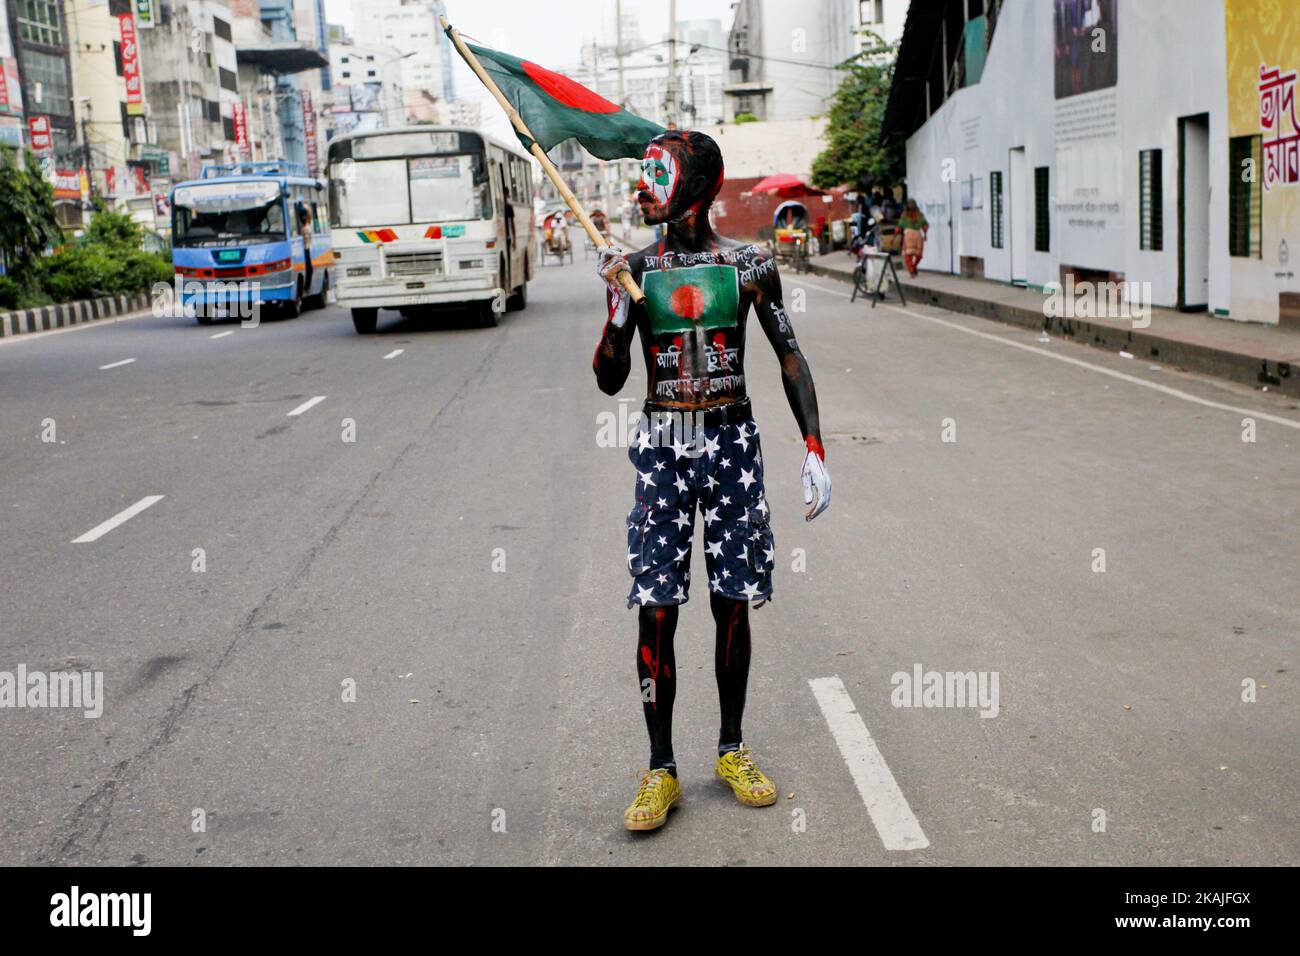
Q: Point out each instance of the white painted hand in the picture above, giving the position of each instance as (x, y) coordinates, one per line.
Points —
(815, 478)
(609, 263)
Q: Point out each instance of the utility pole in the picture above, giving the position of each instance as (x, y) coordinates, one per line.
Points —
(672, 63)
(618, 51)
(85, 149)
(622, 102)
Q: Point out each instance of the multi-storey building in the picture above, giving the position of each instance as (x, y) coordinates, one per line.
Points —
(274, 118)
(423, 68)
(38, 77)
(783, 55)
(191, 79)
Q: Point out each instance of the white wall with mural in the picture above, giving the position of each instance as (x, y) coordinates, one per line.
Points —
(1073, 88)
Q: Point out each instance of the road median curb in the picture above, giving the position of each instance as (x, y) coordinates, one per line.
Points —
(49, 317)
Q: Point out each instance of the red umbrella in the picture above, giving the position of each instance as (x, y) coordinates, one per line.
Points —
(787, 187)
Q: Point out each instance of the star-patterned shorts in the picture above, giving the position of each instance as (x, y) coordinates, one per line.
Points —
(720, 469)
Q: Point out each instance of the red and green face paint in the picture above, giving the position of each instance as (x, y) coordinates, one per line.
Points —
(659, 176)
(681, 172)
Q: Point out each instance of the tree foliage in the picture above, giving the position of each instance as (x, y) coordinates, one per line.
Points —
(106, 260)
(114, 229)
(853, 154)
(28, 222)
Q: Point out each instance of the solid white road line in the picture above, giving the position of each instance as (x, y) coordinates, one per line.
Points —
(222, 335)
(1122, 376)
(116, 364)
(97, 532)
(307, 405)
(394, 353)
(894, 820)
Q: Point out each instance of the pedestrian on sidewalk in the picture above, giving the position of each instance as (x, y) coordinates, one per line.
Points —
(915, 229)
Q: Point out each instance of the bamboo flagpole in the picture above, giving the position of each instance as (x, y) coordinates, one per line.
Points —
(625, 278)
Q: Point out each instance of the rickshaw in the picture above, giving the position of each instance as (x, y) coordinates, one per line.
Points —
(601, 222)
(555, 237)
(790, 235)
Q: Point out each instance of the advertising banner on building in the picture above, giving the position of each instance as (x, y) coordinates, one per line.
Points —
(6, 53)
(67, 183)
(366, 97)
(309, 132)
(131, 65)
(1086, 57)
(240, 119)
(11, 131)
(144, 14)
(1263, 67)
(11, 91)
(127, 182)
(39, 129)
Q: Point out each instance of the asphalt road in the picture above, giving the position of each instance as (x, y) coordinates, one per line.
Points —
(496, 716)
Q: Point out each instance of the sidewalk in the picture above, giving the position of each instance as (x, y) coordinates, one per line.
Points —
(1245, 352)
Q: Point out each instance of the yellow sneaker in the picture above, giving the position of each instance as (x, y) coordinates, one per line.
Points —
(659, 791)
(750, 785)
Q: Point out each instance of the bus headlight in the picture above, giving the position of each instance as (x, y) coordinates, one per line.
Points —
(358, 271)
(471, 263)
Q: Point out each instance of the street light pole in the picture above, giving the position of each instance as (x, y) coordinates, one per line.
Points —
(383, 80)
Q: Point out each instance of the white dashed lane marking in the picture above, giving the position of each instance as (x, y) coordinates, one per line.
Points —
(307, 406)
(394, 353)
(222, 335)
(97, 532)
(897, 825)
(104, 368)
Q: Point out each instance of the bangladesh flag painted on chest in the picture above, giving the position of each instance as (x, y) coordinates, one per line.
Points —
(680, 300)
(556, 108)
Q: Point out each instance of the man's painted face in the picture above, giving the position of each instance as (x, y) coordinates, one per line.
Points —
(659, 176)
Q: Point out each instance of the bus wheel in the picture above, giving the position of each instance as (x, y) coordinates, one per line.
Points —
(203, 318)
(317, 301)
(365, 320)
(292, 308)
(485, 317)
(519, 301)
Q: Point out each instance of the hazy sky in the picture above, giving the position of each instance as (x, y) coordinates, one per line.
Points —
(550, 33)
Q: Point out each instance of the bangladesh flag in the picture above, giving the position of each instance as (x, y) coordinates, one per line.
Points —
(679, 300)
(556, 108)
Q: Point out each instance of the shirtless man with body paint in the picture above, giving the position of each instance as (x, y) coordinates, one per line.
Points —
(698, 446)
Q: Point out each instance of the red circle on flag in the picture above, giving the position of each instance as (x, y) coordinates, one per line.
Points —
(567, 91)
(688, 301)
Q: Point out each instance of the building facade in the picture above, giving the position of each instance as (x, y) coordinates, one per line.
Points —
(276, 118)
(191, 78)
(1050, 140)
(422, 70)
(366, 90)
(783, 56)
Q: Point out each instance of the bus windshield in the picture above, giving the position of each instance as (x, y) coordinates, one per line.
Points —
(412, 189)
(216, 214)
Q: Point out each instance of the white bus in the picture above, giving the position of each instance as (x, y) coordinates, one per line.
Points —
(430, 215)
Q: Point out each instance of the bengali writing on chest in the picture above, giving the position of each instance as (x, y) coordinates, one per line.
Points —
(719, 356)
(689, 387)
(720, 257)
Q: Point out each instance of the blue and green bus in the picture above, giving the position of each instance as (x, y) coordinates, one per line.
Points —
(251, 234)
